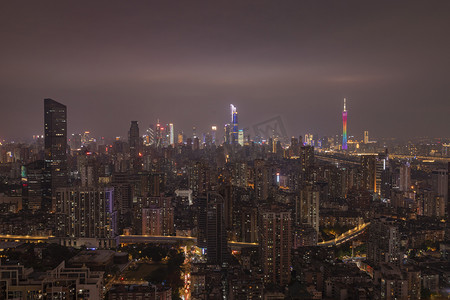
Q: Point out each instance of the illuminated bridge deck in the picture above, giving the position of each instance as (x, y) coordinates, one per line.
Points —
(133, 239)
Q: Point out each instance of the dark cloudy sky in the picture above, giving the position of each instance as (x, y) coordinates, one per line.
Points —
(183, 61)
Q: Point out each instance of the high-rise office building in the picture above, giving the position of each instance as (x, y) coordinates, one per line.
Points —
(199, 178)
(216, 234)
(307, 161)
(75, 141)
(86, 212)
(150, 136)
(171, 135)
(180, 138)
(386, 182)
(157, 216)
(405, 177)
(32, 185)
(440, 183)
(261, 179)
(228, 133)
(430, 204)
(384, 241)
(241, 137)
(133, 138)
(275, 243)
(366, 137)
(158, 134)
(213, 134)
(372, 168)
(55, 128)
(307, 207)
(234, 124)
(344, 127)
(294, 148)
(196, 144)
(309, 139)
(249, 224)
(88, 169)
(123, 192)
(201, 207)
(134, 142)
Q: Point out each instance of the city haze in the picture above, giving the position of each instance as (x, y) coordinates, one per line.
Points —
(111, 62)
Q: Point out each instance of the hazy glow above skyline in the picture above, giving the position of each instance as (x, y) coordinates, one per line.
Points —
(112, 62)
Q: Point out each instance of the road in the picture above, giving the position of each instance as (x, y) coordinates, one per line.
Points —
(346, 236)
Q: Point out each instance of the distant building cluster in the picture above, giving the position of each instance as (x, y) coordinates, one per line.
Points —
(256, 217)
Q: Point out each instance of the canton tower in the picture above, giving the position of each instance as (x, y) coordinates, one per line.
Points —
(344, 127)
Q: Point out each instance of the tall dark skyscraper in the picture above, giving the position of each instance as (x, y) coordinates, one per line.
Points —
(134, 142)
(275, 242)
(307, 161)
(216, 234)
(55, 128)
(133, 138)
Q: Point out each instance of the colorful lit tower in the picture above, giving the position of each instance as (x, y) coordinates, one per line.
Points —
(234, 124)
(344, 127)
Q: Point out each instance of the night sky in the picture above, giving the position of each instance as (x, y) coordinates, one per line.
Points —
(184, 62)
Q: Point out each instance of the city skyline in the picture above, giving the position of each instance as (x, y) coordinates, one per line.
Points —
(249, 133)
(194, 150)
(114, 63)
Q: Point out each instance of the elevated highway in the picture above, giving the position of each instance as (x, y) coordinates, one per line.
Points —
(133, 239)
(346, 236)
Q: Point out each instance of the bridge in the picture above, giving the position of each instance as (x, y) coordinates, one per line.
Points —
(133, 239)
(346, 236)
(423, 158)
(124, 239)
(25, 238)
(338, 159)
(354, 158)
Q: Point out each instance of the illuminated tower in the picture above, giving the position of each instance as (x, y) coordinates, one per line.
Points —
(234, 124)
(228, 134)
(171, 135)
(241, 137)
(366, 137)
(158, 134)
(344, 127)
(213, 133)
